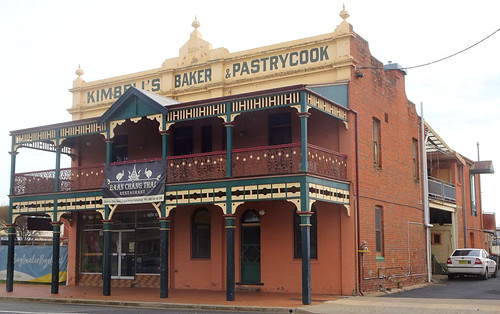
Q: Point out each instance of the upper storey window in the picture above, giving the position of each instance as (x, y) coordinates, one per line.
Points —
(120, 148)
(280, 129)
(377, 149)
(183, 141)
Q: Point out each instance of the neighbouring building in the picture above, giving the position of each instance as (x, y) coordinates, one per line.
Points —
(455, 200)
(290, 168)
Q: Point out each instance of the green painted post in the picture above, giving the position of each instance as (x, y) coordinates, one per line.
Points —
(107, 227)
(303, 114)
(229, 141)
(164, 229)
(10, 257)
(58, 168)
(305, 228)
(56, 236)
(11, 233)
(106, 256)
(13, 155)
(230, 276)
(164, 144)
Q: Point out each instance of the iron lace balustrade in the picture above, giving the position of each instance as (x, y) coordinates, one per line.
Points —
(327, 163)
(266, 160)
(246, 162)
(70, 179)
(441, 190)
(196, 167)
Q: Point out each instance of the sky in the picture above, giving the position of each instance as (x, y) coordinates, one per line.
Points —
(43, 43)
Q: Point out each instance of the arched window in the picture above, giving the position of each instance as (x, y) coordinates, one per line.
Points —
(297, 235)
(200, 235)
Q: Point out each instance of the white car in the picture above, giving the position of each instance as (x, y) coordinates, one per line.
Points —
(475, 262)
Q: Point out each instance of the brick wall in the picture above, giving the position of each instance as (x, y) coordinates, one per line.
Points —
(381, 94)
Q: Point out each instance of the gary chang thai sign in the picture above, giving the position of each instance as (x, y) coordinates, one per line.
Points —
(134, 183)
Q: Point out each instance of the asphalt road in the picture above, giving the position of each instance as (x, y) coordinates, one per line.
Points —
(18, 307)
(460, 288)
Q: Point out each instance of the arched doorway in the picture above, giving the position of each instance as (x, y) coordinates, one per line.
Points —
(250, 247)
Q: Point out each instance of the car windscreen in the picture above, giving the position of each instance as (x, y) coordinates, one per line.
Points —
(466, 253)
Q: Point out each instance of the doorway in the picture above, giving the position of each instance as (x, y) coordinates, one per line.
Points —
(250, 247)
(123, 254)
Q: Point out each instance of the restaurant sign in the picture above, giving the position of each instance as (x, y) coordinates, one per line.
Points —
(134, 183)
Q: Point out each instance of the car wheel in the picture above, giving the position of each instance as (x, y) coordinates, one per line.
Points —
(451, 276)
(495, 273)
(485, 276)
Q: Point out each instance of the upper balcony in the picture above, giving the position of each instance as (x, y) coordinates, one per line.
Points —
(277, 132)
(250, 162)
(441, 190)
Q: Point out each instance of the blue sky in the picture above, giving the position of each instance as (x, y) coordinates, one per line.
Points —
(43, 42)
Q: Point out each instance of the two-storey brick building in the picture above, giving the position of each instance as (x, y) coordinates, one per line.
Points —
(291, 168)
(454, 198)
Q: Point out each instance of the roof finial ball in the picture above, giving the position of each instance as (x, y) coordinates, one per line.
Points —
(195, 23)
(344, 14)
(79, 71)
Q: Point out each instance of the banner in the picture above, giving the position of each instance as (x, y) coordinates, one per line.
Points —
(134, 183)
(34, 263)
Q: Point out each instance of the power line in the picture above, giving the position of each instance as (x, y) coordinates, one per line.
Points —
(429, 63)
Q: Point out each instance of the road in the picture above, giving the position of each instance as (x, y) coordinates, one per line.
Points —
(18, 307)
(462, 295)
(460, 288)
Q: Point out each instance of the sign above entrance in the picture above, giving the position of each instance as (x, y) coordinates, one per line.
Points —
(134, 183)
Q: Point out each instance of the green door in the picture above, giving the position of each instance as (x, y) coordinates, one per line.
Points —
(250, 248)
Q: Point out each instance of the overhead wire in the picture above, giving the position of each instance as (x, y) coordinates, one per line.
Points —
(429, 63)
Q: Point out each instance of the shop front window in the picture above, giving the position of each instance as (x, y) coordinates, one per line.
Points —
(148, 251)
(137, 235)
(92, 245)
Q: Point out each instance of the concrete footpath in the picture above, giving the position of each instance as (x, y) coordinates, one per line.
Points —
(197, 300)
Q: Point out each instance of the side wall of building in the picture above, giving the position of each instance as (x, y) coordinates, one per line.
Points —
(389, 185)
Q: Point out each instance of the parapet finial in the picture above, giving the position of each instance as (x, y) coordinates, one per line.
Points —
(79, 71)
(195, 23)
(344, 14)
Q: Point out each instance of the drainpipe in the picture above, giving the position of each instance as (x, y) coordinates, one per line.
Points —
(356, 212)
(464, 206)
(426, 194)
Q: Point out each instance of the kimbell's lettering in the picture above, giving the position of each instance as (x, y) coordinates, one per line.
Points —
(114, 92)
(134, 183)
(291, 59)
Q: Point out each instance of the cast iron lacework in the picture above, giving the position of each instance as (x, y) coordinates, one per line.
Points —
(267, 160)
(265, 102)
(196, 168)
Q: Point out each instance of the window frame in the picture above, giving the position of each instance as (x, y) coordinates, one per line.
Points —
(376, 142)
(183, 142)
(279, 128)
(473, 199)
(433, 241)
(198, 252)
(206, 139)
(379, 230)
(119, 151)
(415, 159)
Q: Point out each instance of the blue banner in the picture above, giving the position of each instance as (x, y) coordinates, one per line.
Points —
(34, 263)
